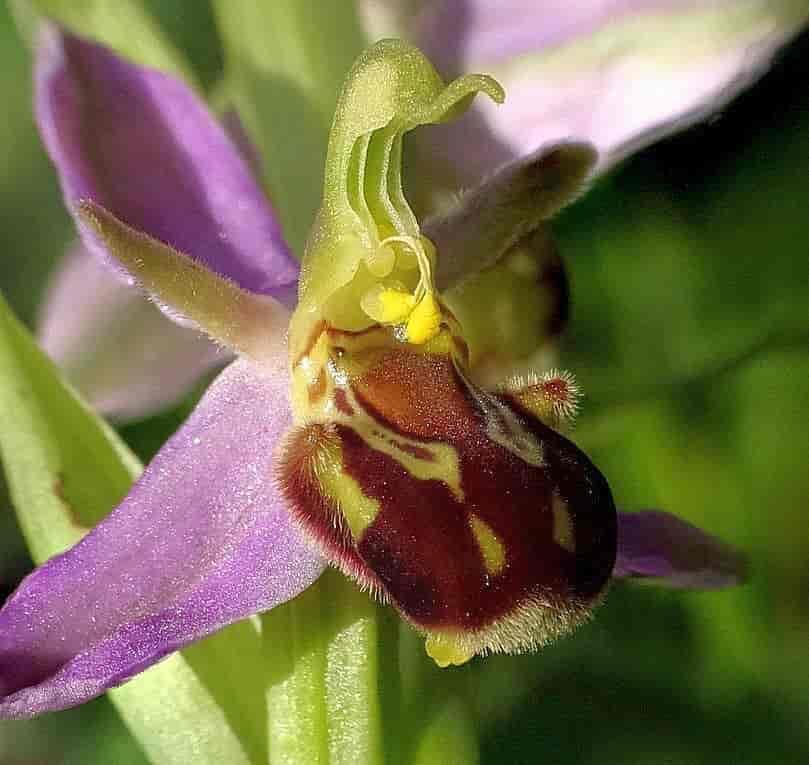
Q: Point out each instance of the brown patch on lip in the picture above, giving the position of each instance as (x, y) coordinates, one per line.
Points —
(420, 544)
(423, 551)
(317, 389)
(418, 548)
(417, 395)
(342, 403)
(419, 452)
(316, 332)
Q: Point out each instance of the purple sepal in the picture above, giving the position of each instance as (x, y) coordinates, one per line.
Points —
(602, 71)
(656, 545)
(143, 145)
(456, 31)
(202, 540)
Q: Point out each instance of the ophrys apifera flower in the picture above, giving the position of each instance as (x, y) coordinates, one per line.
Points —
(369, 441)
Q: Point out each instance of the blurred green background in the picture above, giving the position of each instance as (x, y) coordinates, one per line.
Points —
(690, 338)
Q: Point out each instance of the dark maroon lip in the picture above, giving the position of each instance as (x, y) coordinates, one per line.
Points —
(420, 550)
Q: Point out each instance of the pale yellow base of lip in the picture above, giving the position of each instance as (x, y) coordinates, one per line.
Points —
(445, 653)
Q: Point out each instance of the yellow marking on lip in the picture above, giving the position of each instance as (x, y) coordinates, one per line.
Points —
(444, 466)
(491, 548)
(562, 524)
(359, 510)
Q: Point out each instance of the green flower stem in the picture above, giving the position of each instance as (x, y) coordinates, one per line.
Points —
(295, 656)
(349, 684)
(353, 680)
(323, 698)
(438, 708)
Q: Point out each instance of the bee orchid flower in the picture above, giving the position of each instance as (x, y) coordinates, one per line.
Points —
(358, 426)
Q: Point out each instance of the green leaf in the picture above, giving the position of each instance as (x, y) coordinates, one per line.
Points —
(191, 707)
(347, 683)
(124, 25)
(284, 62)
(65, 467)
(65, 470)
